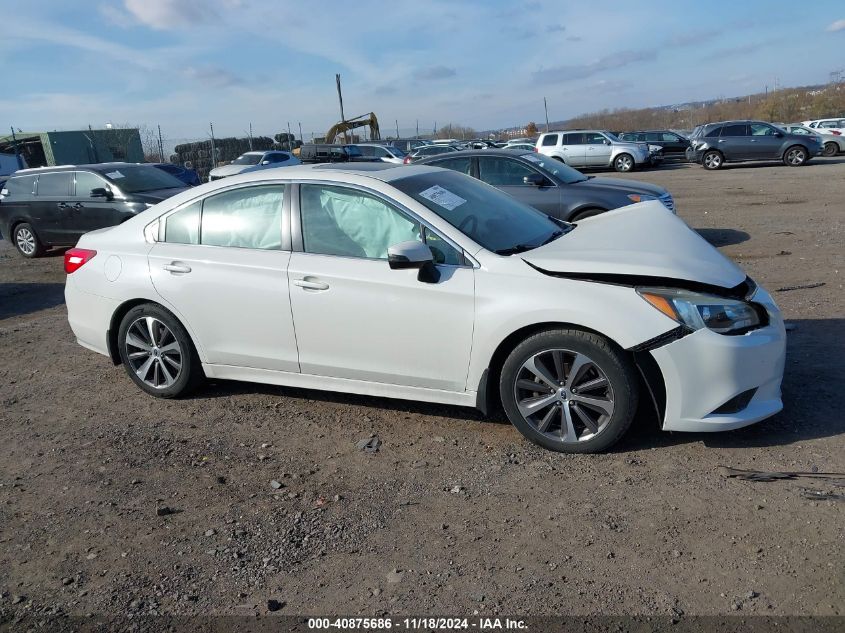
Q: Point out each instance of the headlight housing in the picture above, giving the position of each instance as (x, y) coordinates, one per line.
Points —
(697, 310)
(640, 197)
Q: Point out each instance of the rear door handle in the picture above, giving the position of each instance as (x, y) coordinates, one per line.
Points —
(63, 205)
(78, 206)
(310, 285)
(175, 267)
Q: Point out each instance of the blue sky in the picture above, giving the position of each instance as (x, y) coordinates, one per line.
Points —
(486, 64)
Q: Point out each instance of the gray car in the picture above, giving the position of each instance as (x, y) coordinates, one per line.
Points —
(718, 143)
(547, 184)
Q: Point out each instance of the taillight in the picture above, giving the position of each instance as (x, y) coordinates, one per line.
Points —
(837, 132)
(76, 258)
(535, 149)
(407, 160)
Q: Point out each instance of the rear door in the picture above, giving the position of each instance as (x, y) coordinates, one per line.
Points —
(51, 207)
(507, 174)
(734, 142)
(597, 150)
(222, 263)
(573, 148)
(85, 213)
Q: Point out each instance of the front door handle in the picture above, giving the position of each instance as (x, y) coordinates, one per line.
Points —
(310, 285)
(63, 205)
(78, 206)
(175, 267)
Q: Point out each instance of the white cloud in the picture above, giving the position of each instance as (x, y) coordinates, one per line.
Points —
(839, 25)
(169, 14)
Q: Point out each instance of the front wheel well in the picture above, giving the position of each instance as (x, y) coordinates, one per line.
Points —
(651, 379)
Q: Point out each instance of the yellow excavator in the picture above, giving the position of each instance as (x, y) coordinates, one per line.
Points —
(342, 127)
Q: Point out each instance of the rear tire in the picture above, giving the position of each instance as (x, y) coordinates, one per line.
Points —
(830, 149)
(795, 156)
(569, 391)
(26, 241)
(712, 160)
(158, 353)
(624, 163)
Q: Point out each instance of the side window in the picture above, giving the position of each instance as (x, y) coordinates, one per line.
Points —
(549, 139)
(56, 185)
(21, 186)
(350, 223)
(593, 138)
(667, 137)
(85, 182)
(183, 226)
(502, 172)
(463, 165)
(735, 130)
(573, 139)
(442, 251)
(714, 133)
(380, 152)
(652, 137)
(244, 218)
(367, 151)
(277, 158)
(760, 129)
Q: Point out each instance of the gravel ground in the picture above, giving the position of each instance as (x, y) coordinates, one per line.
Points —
(116, 503)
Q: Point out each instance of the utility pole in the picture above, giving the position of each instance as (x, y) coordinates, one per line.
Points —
(418, 128)
(434, 135)
(397, 128)
(213, 150)
(300, 131)
(546, 108)
(250, 137)
(340, 99)
(17, 154)
(290, 138)
(160, 145)
(93, 142)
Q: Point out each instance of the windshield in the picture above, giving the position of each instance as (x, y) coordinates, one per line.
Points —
(397, 153)
(247, 159)
(566, 173)
(611, 136)
(140, 178)
(490, 217)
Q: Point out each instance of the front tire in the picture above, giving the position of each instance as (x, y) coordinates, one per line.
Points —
(157, 352)
(26, 241)
(623, 163)
(830, 149)
(795, 156)
(569, 391)
(712, 160)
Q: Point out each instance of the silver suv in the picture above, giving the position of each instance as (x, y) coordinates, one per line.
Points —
(593, 148)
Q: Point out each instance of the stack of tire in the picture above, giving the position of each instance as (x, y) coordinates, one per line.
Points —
(226, 150)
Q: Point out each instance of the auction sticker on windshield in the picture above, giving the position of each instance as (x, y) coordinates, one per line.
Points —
(114, 175)
(443, 197)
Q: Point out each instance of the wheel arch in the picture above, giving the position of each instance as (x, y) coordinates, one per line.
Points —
(648, 372)
(122, 310)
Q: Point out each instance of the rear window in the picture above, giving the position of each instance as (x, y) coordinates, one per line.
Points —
(735, 130)
(21, 186)
(57, 184)
(549, 139)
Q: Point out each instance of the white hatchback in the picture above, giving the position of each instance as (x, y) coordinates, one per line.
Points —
(426, 284)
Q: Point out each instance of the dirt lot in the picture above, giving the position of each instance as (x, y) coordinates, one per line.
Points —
(454, 514)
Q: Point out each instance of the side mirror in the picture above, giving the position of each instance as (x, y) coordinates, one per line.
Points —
(536, 180)
(414, 254)
(606, 142)
(102, 192)
(779, 134)
(265, 162)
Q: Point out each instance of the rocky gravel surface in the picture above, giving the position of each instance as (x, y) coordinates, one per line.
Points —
(249, 499)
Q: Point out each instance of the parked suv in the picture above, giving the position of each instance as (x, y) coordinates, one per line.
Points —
(674, 145)
(383, 153)
(593, 148)
(718, 143)
(54, 206)
(408, 145)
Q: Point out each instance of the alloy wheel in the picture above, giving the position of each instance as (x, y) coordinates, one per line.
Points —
(25, 241)
(795, 156)
(564, 395)
(154, 353)
(624, 163)
(713, 161)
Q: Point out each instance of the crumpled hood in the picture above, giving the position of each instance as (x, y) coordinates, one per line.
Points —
(642, 240)
(623, 186)
(229, 170)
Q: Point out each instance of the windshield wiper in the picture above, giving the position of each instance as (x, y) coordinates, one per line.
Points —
(513, 250)
(554, 236)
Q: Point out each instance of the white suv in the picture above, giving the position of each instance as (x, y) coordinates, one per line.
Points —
(593, 148)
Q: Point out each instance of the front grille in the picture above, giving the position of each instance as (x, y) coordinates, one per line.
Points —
(668, 201)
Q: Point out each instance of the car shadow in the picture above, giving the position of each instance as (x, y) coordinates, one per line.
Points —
(812, 395)
(17, 299)
(724, 237)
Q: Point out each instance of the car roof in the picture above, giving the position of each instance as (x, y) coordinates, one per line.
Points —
(386, 172)
(93, 166)
(492, 151)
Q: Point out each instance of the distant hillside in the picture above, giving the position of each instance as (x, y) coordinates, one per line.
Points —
(784, 106)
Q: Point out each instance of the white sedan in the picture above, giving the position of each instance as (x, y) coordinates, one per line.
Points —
(425, 284)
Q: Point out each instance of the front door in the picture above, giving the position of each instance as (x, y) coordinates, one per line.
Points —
(85, 213)
(597, 150)
(358, 319)
(51, 206)
(220, 261)
(573, 149)
(764, 142)
(508, 175)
